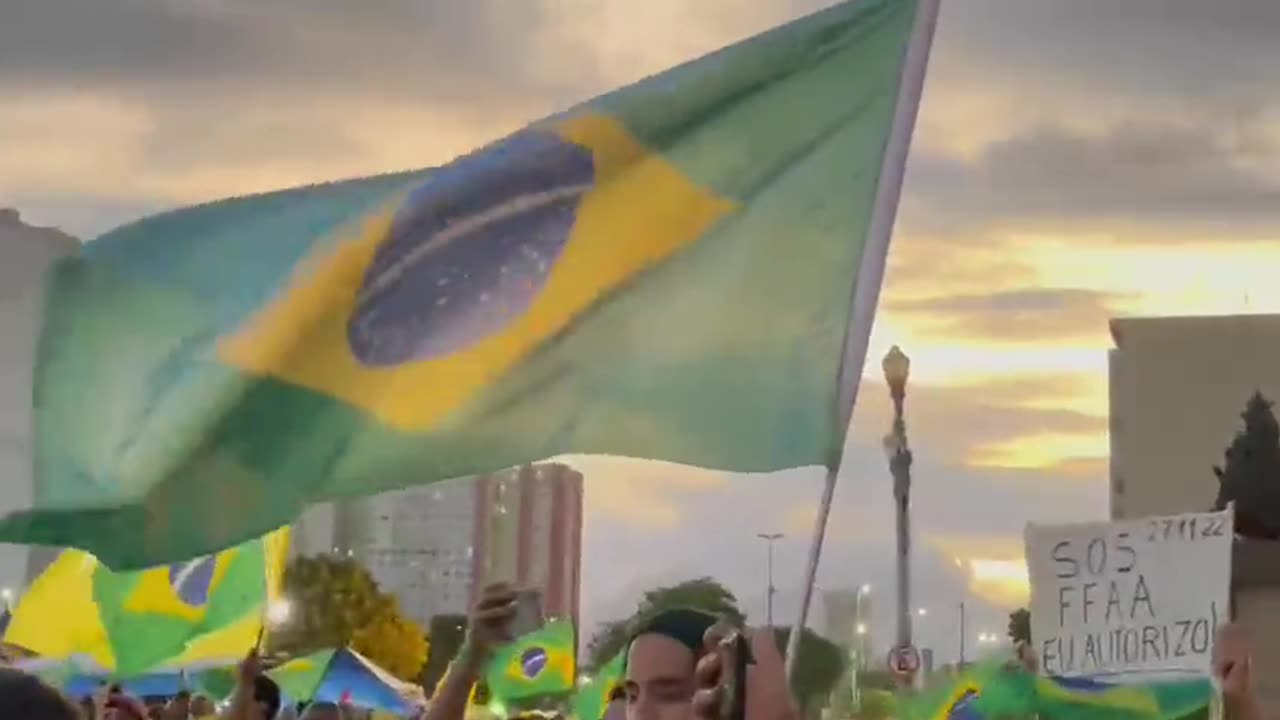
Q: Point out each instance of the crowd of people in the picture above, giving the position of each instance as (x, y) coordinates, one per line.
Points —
(675, 665)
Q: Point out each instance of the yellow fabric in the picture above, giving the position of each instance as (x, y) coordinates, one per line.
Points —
(641, 211)
(154, 593)
(57, 616)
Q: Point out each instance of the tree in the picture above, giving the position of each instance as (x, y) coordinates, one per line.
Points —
(395, 643)
(1250, 474)
(1020, 626)
(447, 633)
(819, 667)
(702, 594)
(336, 603)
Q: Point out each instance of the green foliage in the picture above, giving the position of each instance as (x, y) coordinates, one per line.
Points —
(447, 633)
(1020, 625)
(1250, 475)
(819, 667)
(877, 680)
(701, 593)
(876, 705)
(336, 603)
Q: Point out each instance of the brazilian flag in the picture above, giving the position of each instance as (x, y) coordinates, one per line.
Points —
(540, 663)
(206, 609)
(667, 271)
(995, 690)
(591, 697)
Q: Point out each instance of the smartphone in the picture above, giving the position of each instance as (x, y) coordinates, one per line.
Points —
(735, 652)
(528, 613)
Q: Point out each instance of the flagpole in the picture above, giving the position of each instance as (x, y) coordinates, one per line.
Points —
(867, 285)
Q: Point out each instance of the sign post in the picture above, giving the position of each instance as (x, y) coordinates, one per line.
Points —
(1131, 597)
(904, 663)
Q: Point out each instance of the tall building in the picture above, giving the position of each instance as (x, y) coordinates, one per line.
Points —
(420, 546)
(434, 546)
(528, 530)
(1177, 388)
(25, 253)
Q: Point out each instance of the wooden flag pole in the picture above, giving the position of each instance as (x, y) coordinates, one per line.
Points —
(867, 286)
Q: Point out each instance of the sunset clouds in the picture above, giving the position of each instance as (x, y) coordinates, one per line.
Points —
(1074, 161)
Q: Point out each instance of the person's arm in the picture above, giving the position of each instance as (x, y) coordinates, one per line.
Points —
(241, 705)
(450, 699)
(1233, 666)
(489, 627)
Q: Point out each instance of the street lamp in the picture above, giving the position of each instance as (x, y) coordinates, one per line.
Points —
(861, 629)
(897, 369)
(770, 590)
(6, 594)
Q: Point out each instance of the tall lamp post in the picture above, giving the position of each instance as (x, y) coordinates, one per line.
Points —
(770, 590)
(897, 368)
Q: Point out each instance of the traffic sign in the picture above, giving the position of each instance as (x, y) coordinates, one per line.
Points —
(904, 660)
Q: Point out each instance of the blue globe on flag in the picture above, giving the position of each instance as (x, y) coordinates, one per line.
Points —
(532, 662)
(192, 579)
(470, 250)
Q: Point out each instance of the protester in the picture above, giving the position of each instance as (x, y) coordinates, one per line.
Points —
(661, 657)
(178, 708)
(26, 697)
(202, 707)
(488, 628)
(256, 696)
(768, 696)
(113, 704)
(660, 663)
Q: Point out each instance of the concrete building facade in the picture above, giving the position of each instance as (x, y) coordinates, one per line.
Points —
(528, 530)
(1177, 388)
(434, 546)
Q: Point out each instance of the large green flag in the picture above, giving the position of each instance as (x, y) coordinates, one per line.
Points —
(664, 272)
(540, 663)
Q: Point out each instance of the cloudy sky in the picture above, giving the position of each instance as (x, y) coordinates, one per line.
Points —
(1074, 160)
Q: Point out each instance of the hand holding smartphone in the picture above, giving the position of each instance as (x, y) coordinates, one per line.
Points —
(734, 651)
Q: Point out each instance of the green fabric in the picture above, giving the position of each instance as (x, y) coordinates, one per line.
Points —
(149, 447)
(299, 678)
(591, 698)
(540, 663)
(151, 615)
(1001, 690)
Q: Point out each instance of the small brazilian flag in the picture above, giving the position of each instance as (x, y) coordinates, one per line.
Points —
(207, 609)
(995, 689)
(591, 698)
(540, 663)
(663, 272)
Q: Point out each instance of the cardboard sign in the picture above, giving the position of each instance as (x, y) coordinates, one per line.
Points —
(1130, 597)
